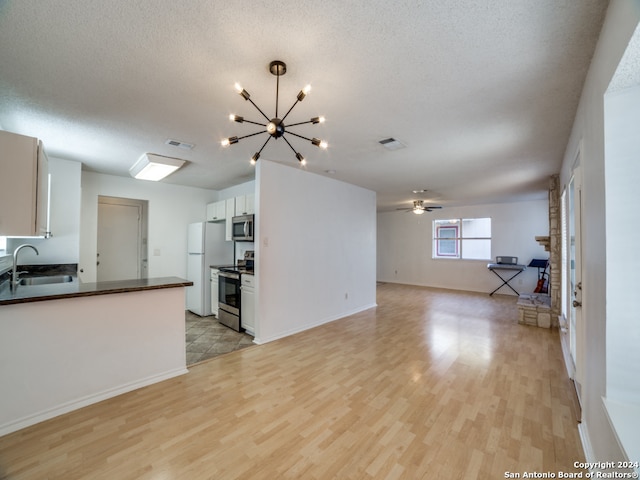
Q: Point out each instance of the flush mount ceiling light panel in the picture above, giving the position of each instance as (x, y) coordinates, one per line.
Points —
(154, 167)
(275, 127)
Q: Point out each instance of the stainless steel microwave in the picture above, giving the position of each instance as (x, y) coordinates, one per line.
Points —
(242, 228)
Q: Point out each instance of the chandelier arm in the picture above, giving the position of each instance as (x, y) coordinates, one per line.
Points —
(277, 90)
(251, 135)
(299, 123)
(305, 138)
(294, 150)
(258, 108)
(289, 111)
(254, 123)
(264, 144)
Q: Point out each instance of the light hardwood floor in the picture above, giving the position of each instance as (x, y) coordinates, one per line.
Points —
(431, 384)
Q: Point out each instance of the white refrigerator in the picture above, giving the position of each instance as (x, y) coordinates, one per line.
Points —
(206, 246)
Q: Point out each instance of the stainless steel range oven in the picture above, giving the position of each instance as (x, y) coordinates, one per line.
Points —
(229, 298)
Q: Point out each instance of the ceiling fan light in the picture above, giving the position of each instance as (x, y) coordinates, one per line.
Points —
(418, 211)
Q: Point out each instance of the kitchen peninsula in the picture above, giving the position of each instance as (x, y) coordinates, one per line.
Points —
(64, 346)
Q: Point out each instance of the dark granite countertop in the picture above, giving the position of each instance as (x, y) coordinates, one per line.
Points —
(38, 293)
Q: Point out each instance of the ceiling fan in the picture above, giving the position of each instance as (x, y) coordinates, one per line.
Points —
(419, 207)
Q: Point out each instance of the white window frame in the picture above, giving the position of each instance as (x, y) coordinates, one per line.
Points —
(458, 225)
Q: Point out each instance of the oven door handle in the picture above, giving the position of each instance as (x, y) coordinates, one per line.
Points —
(232, 275)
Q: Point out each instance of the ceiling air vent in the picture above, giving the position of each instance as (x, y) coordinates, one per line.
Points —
(177, 143)
(391, 144)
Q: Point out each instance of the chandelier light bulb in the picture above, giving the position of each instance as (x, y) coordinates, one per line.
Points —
(255, 158)
(319, 143)
(304, 92)
(316, 120)
(241, 91)
(301, 159)
(228, 141)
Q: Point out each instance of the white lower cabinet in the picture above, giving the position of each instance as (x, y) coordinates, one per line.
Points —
(247, 303)
(214, 291)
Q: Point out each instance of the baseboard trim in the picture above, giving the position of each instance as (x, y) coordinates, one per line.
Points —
(586, 442)
(67, 407)
(309, 326)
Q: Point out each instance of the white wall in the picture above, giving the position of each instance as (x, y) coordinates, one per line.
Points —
(171, 209)
(405, 247)
(623, 226)
(316, 245)
(64, 245)
(588, 137)
(241, 189)
(60, 355)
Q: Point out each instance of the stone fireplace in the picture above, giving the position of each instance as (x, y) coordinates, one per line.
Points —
(540, 309)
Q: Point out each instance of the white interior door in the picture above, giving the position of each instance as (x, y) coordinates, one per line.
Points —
(119, 232)
(574, 268)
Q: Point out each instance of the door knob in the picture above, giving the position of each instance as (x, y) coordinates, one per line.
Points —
(577, 303)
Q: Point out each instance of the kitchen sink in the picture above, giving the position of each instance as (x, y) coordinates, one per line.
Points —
(45, 280)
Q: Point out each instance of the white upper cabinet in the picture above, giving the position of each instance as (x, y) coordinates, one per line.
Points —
(24, 186)
(231, 210)
(217, 211)
(245, 204)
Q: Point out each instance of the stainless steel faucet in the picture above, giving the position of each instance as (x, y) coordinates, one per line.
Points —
(15, 276)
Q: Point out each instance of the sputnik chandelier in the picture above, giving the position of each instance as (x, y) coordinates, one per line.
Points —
(275, 126)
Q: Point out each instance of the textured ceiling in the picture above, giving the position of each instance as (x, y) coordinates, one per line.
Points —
(482, 93)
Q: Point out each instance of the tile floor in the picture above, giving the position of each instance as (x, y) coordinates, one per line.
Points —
(206, 338)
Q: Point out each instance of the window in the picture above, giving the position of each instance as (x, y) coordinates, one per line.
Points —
(465, 238)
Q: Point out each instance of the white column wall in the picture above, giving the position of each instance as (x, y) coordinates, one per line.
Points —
(316, 250)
